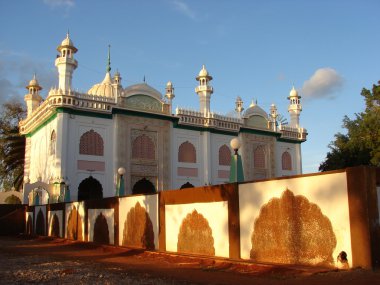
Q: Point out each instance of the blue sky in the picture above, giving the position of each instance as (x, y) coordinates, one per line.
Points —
(254, 49)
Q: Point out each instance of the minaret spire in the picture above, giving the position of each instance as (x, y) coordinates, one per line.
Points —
(204, 90)
(109, 59)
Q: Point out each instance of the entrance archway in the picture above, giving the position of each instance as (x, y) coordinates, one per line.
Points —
(143, 186)
(89, 189)
(40, 224)
(187, 185)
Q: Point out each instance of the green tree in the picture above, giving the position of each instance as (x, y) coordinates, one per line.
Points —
(12, 145)
(361, 144)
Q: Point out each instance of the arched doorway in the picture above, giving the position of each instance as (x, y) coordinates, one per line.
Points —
(89, 189)
(40, 224)
(101, 233)
(143, 186)
(187, 185)
(55, 226)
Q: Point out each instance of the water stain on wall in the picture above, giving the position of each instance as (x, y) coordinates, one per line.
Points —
(55, 226)
(138, 228)
(74, 225)
(195, 235)
(40, 224)
(292, 230)
(101, 233)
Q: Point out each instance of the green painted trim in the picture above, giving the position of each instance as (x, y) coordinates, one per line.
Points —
(83, 113)
(290, 140)
(259, 132)
(143, 114)
(44, 123)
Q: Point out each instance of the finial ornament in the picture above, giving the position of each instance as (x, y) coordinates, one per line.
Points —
(109, 59)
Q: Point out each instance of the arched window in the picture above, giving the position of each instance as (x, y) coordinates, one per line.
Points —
(224, 155)
(53, 141)
(187, 153)
(91, 143)
(259, 157)
(286, 161)
(143, 148)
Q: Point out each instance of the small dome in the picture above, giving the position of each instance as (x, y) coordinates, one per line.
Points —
(204, 73)
(142, 89)
(67, 43)
(34, 83)
(104, 88)
(293, 93)
(169, 84)
(255, 110)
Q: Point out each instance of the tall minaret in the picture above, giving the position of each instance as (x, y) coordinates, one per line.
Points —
(33, 98)
(170, 94)
(294, 108)
(66, 63)
(239, 106)
(204, 90)
(273, 115)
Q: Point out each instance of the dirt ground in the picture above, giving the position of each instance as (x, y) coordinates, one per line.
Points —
(37, 260)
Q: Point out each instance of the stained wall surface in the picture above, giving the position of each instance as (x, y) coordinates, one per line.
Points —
(305, 218)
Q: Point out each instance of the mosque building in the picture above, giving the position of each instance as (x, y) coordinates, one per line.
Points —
(87, 141)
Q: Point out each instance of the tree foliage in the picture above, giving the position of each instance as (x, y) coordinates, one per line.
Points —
(361, 144)
(12, 150)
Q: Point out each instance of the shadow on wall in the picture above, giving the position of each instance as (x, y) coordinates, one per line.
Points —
(29, 226)
(40, 224)
(74, 225)
(138, 228)
(101, 233)
(195, 235)
(55, 226)
(292, 230)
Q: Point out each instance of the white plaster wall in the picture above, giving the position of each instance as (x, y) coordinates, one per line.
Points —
(109, 215)
(149, 202)
(194, 137)
(328, 191)
(216, 214)
(280, 148)
(42, 164)
(80, 208)
(217, 140)
(50, 221)
(77, 126)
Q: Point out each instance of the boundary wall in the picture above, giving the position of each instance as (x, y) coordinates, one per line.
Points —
(305, 219)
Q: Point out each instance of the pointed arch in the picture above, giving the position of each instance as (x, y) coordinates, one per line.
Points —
(286, 160)
(74, 225)
(40, 224)
(224, 155)
(143, 148)
(143, 186)
(187, 153)
(89, 189)
(101, 233)
(55, 232)
(187, 185)
(53, 142)
(91, 143)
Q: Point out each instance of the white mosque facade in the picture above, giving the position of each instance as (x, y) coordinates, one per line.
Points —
(81, 140)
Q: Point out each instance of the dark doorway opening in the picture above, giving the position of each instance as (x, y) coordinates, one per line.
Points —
(143, 186)
(187, 185)
(89, 189)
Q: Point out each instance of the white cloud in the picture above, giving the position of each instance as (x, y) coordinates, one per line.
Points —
(60, 3)
(182, 7)
(322, 84)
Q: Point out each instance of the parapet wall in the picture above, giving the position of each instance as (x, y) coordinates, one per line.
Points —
(306, 219)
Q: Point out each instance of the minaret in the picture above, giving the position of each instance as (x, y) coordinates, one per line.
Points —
(33, 98)
(294, 108)
(170, 94)
(204, 90)
(273, 115)
(66, 63)
(239, 106)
